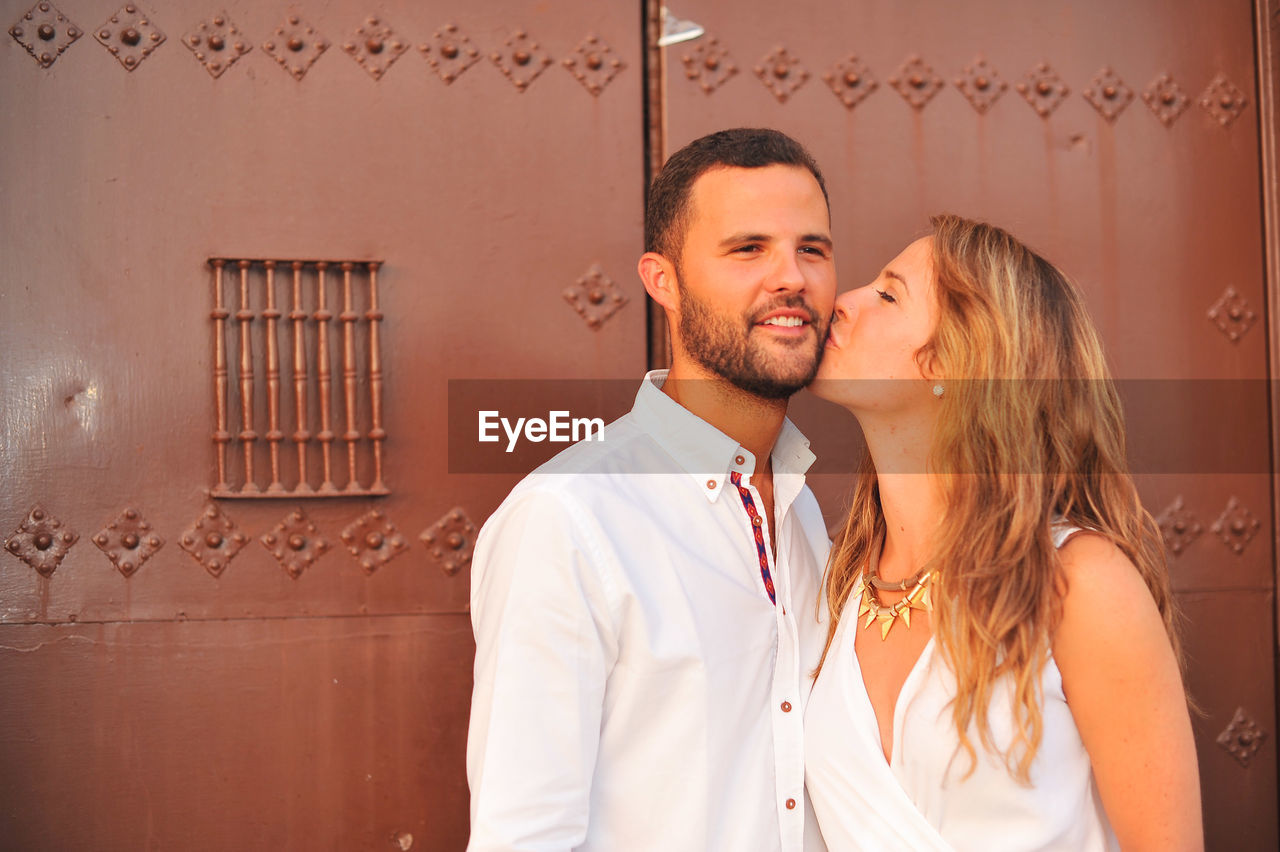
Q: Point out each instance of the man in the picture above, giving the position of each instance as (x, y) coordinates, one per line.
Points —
(644, 606)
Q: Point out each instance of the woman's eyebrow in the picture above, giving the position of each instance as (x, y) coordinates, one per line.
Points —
(889, 273)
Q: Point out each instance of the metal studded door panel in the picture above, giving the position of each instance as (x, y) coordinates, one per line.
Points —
(1122, 140)
(188, 669)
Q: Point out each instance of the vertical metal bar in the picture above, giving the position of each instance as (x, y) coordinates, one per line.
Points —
(376, 435)
(655, 113)
(322, 372)
(348, 318)
(247, 435)
(221, 437)
(274, 435)
(1267, 33)
(300, 435)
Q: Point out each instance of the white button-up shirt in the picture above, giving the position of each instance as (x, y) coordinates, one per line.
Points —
(635, 688)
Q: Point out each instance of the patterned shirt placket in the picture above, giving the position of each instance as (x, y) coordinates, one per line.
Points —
(757, 527)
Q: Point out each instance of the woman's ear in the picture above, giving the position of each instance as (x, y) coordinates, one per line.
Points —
(659, 277)
(927, 359)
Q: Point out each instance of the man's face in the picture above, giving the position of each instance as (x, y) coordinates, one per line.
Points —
(757, 278)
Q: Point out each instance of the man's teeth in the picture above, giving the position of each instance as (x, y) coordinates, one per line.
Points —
(786, 322)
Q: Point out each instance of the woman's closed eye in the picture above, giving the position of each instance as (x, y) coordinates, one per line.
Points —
(886, 296)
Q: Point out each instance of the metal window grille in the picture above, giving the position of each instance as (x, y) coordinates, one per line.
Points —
(251, 371)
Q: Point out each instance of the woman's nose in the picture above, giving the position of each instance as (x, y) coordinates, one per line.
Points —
(846, 305)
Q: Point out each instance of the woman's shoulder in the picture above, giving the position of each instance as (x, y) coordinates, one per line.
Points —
(1105, 598)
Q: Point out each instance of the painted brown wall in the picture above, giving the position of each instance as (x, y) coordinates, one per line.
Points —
(176, 709)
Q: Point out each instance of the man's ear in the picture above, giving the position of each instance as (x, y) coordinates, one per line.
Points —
(659, 277)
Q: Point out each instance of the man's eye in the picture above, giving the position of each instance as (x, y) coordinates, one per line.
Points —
(747, 249)
(814, 250)
(883, 295)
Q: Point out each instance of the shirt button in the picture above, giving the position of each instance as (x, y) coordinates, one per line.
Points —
(791, 804)
(711, 484)
(740, 460)
(755, 520)
(786, 707)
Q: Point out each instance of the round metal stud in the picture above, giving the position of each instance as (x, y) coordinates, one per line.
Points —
(373, 45)
(521, 57)
(44, 541)
(449, 51)
(594, 62)
(295, 44)
(130, 540)
(45, 32)
(297, 542)
(374, 540)
(454, 540)
(216, 42)
(213, 539)
(130, 36)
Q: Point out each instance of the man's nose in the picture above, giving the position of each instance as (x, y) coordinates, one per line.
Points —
(787, 274)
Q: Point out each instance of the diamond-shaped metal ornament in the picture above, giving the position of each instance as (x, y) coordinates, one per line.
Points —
(981, 84)
(295, 46)
(451, 540)
(41, 541)
(781, 73)
(1236, 526)
(450, 52)
(128, 541)
(213, 540)
(521, 60)
(295, 543)
(850, 80)
(709, 65)
(129, 35)
(375, 46)
(1166, 99)
(1223, 100)
(1242, 737)
(916, 82)
(1232, 314)
(373, 540)
(1178, 527)
(1108, 94)
(593, 64)
(217, 43)
(44, 32)
(595, 297)
(1043, 89)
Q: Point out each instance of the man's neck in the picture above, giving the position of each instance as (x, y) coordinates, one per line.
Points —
(752, 421)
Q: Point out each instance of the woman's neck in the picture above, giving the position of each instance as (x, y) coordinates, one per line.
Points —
(909, 494)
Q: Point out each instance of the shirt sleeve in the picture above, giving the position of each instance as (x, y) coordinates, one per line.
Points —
(544, 647)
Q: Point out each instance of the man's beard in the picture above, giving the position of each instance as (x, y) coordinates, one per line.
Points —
(723, 345)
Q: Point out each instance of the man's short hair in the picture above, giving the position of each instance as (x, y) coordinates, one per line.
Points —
(666, 215)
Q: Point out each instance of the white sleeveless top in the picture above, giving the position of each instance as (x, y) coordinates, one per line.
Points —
(922, 799)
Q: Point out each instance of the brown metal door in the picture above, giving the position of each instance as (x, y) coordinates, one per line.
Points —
(185, 667)
(1123, 141)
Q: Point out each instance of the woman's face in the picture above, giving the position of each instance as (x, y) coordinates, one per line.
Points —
(869, 362)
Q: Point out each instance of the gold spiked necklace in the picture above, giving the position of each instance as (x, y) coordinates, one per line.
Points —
(917, 597)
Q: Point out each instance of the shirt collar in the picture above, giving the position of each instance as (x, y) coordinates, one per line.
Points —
(701, 450)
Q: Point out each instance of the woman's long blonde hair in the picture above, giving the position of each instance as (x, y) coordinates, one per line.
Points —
(1030, 429)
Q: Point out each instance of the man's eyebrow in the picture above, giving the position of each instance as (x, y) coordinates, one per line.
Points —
(745, 238)
(821, 239)
(889, 273)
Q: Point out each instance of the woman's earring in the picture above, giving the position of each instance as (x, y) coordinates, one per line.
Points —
(939, 390)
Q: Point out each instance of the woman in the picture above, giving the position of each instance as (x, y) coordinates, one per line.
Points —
(1001, 668)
